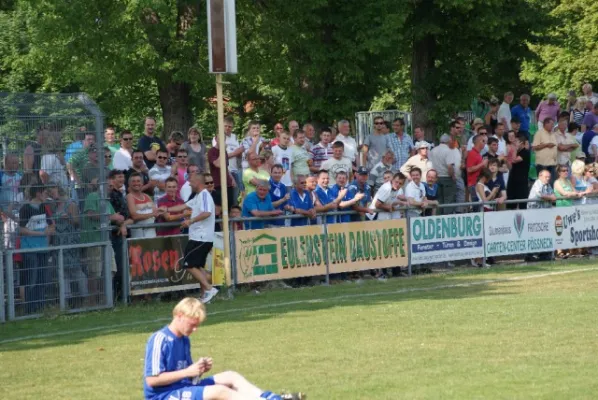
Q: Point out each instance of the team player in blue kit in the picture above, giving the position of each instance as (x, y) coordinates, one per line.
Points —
(170, 374)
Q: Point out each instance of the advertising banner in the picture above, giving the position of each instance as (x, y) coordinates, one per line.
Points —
(576, 227)
(283, 253)
(358, 246)
(446, 238)
(155, 265)
(520, 232)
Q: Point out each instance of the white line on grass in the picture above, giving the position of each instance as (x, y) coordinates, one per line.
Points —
(116, 327)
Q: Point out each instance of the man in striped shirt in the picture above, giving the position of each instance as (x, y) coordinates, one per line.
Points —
(322, 151)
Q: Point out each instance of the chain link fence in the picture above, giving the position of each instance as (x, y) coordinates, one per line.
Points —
(56, 253)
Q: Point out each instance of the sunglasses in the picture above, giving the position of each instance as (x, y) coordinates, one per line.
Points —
(108, 156)
(162, 158)
(128, 139)
(378, 123)
(181, 156)
(210, 183)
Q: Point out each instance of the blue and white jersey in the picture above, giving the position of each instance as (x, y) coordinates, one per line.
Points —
(302, 202)
(165, 352)
(325, 196)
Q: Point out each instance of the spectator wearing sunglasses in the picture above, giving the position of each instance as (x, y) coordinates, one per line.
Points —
(122, 158)
(159, 173)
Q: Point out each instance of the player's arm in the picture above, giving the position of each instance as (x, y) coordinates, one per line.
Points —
(179, 208)
(168, 378)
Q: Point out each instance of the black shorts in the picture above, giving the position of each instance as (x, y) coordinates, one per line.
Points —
(196, 254)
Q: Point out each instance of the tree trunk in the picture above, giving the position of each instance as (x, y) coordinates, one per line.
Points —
(422, 72)
(175, 99)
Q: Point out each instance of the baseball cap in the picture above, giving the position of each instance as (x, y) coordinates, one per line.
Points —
(477, 121)
(362, 171)
(423, 145)
(552, 96)
(445, 138)
(581, 156)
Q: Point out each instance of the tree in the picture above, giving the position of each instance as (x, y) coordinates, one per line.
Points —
(568, 58)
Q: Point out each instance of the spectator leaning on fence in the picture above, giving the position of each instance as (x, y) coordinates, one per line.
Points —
(349, 200)
(360, 186)
(170, 199)
(258, 204)
(387, 198)
(326, 200)
(142, 209)
(301, 202)
(431, 186)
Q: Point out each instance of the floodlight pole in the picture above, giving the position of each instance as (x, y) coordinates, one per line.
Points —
(223, 180)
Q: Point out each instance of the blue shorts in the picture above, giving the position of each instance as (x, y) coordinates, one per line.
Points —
(194, 392)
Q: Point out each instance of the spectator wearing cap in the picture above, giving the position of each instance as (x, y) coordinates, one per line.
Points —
(360, 185)
(259, 204)
(399, 142)
(376, 176)
(419, 160)
(545, 146)
(504, 111)
(338, 162)
(446, 162)
(549, 108)
(522, 112)
(419, 136)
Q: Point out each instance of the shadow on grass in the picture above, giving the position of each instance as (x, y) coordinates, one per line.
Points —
(146, 318)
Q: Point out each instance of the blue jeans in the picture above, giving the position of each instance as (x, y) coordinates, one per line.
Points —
(36, 276)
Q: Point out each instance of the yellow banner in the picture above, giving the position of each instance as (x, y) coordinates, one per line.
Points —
(283, 253)
(218, 272)
(358, 246)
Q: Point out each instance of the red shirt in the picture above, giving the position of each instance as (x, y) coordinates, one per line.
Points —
(473, 158)
(166, 201)
(213, 155)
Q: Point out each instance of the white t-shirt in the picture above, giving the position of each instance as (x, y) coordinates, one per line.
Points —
(504, 111)
(284, 157)
(417, 193)
(159, 174)
(386, 195)
(350, 146)
(185, 191)
(51, 165)
(232, 144)
(334, 166)
(502, 146)
(122, 160)
(202, 231)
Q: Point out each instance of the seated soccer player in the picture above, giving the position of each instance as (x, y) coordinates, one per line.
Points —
(170, 374)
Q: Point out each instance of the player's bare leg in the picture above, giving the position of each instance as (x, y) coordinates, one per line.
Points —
(239, 384)
(202, 278)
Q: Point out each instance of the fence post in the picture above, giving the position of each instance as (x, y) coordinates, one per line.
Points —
(108, 256)
(325, 244)
(233, 256)
(10, 285)
(2, 309)
(409, 269)
(61, 280)
(483, 237)
(125, 271)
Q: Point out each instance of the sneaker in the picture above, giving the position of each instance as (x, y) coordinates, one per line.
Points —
(474, 264)
(209, 295)
(293, 396)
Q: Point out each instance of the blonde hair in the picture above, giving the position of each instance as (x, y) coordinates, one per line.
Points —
(578, 167)
(580, 104)
(190, 307)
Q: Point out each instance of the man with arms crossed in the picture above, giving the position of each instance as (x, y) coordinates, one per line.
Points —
(171, 374)
(201, 233)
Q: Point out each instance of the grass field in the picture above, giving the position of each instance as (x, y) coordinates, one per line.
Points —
(527, 332)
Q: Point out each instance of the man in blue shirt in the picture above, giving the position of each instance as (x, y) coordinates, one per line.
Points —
(360, 186)
(278, 193)
(325, 199)
(301, 202)
(522, 113)
(349, 200)
(259, 204)
(171, 374)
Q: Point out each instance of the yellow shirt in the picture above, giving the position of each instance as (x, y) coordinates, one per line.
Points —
(546, 156)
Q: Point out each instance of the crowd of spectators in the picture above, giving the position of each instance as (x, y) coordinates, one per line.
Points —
(51, 195)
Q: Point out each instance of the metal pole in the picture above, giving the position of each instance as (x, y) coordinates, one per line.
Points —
(108, 257)
(125, 271)
(233, 253)
(325, 244)
(10, 285)
(223, 170)
(409, 269)
(483, 236)
(61, 281)
(2, 309)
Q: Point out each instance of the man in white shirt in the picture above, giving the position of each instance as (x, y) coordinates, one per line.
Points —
(201, 234)
(283, 154)
(416, 193)
(337, 163)
(159, 173)
(122, 157)
(186, 190)
(504, 111)
(447, 162)
(344, 131)
(387, 199)
(234, 151)
(499, 133)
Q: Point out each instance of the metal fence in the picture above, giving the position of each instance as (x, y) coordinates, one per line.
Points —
(55, 250)
(364, 122)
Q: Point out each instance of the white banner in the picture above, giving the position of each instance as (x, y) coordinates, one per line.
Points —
(446, 238)
(520, 232)
(576, 227)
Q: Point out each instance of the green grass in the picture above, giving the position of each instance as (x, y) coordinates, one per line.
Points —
(505, 333)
